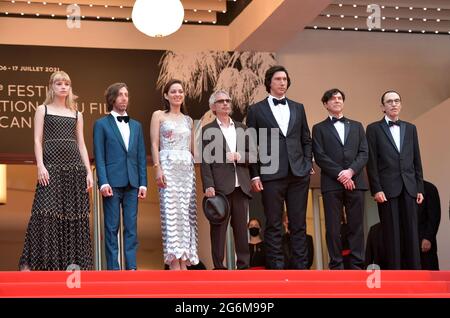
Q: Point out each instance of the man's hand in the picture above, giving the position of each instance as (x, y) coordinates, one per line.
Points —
(345, 175)
(380, 197)
(233, 156)
(142, 193)
(419, 199)
(257, 185)
(425, 246)
(349, 185)
(210, 192)
(106, 191)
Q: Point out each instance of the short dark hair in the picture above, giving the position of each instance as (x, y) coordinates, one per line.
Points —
(387, 92)
(166, 91)
(330, 93)
(112, 92)
(269, 74)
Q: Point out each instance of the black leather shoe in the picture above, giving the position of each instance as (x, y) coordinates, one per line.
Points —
(243, 267)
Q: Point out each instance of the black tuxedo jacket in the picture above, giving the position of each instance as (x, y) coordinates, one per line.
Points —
(429, 213)
(332, 156)
(295, 149)
(389, 168)
(220, 174)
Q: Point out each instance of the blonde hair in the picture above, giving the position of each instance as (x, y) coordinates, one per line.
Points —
(60, 76)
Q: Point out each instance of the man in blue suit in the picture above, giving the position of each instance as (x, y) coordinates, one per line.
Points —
(121, 163)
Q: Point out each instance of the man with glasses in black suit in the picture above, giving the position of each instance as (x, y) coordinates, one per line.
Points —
(396, 182)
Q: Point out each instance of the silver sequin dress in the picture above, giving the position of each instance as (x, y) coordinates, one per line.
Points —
(178, 200)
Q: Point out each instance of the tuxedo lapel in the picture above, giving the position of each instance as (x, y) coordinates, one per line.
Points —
(115, 129)
(333, 130)
(132, 135)
(292, 116)
(402, 134)
(347, 127)
(387, 131)
(268, 115)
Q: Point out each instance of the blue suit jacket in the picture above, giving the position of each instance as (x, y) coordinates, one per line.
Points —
(115, 165)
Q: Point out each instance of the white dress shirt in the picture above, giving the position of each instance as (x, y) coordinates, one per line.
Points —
(230, 138)
(395, 131)
(124, 128)
(340, 127)
(281, 113)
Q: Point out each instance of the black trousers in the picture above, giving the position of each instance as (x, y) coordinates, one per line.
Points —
(400, 232)
(238, 201)
(334, 202)
(294, 191)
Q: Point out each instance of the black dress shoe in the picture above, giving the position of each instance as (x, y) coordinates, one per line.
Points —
(243, 267)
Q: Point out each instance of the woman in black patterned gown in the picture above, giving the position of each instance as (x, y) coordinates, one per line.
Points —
(58, 234)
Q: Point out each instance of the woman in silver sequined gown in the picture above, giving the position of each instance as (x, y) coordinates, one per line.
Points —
(171, 139)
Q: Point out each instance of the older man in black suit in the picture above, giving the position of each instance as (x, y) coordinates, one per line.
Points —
(396, 182)
(224, 168)
(283, 171)
(340, 150)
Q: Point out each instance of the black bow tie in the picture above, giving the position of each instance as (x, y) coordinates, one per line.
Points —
(334, 119)
(126, 119)
(392, 123)
(279, 101)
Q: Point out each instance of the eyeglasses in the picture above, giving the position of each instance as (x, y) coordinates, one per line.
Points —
(392, 101)
(222, 101)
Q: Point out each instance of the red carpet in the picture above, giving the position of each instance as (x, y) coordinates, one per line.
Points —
(226, 284)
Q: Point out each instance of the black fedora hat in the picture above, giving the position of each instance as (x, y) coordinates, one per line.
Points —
(216, 208)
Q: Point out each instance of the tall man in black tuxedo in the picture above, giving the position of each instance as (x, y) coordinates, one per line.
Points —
(340, 150)
(224, 168)
(284, 166)
(396, 182)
